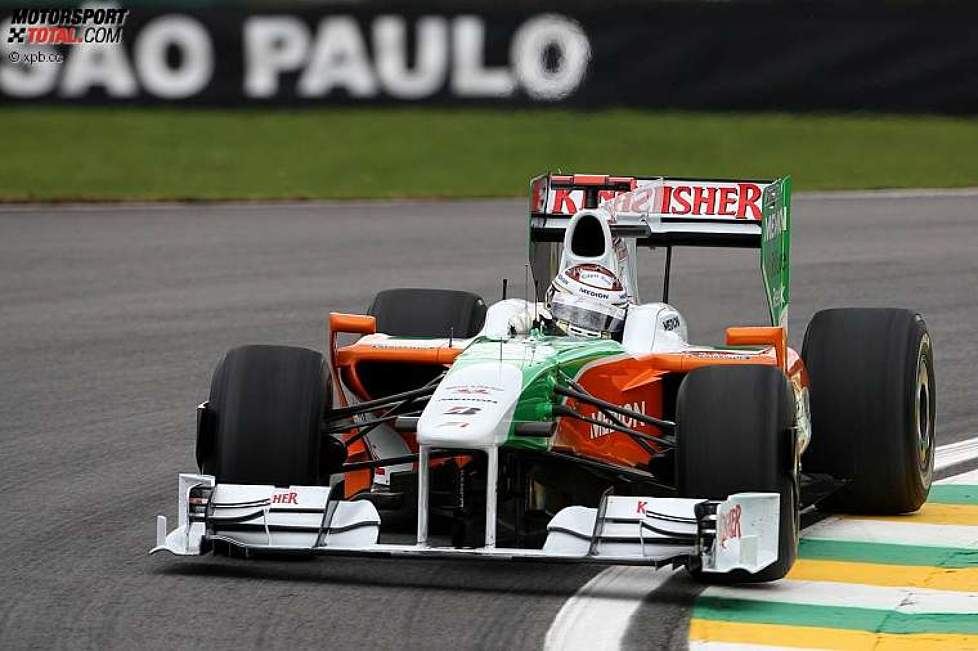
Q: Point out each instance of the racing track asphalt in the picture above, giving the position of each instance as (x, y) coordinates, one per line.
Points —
(112, 317)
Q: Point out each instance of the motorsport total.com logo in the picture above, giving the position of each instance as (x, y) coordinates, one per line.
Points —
(47, 26)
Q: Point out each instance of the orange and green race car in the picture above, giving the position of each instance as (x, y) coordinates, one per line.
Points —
(450, 428)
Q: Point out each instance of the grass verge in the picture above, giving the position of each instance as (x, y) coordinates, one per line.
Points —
(160, 154)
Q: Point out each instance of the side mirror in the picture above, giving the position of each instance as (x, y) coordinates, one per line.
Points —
(359, 324)
(774, 336)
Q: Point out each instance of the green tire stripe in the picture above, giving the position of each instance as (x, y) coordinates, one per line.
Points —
(850, 618)
(887, 554)
(953, 494)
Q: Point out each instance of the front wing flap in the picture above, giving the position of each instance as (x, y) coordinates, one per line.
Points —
(739, 533)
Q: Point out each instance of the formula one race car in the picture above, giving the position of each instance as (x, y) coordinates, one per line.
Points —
(505, 433)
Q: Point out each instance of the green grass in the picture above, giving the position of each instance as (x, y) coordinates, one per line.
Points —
(56, 154)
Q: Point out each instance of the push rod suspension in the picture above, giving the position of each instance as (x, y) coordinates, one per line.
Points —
(609, 415)
(407, 458)
(603, 404)
(398, 401)
(338, 427)
(561, 410)
(370, 405)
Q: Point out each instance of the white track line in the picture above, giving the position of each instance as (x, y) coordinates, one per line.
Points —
(598, 615)
(955, 453)
(839, 195)
(918, 601)
(897, 533)
(966, 478)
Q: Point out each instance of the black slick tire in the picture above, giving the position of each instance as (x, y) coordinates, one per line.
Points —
(266, 410)
(733, 435)
(873, 399)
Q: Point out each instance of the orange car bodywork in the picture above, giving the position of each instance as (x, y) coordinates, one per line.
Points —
(634, 382)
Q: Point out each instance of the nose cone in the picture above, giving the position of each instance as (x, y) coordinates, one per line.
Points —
(472, 407)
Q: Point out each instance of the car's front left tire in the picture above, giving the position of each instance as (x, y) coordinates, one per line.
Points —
(265, 415)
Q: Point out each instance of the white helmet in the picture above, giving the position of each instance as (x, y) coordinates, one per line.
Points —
(588, 300)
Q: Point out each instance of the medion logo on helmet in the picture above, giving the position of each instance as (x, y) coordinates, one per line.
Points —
(596, 294)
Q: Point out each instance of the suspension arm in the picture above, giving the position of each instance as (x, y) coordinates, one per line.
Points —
(370, 405)
(561, 410)
(605, 405)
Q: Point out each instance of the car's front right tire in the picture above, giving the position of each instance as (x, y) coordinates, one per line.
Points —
(733, 435)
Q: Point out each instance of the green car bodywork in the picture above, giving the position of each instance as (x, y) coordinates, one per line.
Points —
(544, 361)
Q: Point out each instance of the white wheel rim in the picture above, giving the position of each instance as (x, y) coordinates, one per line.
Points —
(923, 416)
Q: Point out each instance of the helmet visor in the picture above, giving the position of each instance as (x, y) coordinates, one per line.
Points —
(593, 317)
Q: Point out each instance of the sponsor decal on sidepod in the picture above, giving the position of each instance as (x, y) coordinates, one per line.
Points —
(598, 431)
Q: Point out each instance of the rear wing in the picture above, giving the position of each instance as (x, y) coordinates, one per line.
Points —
(663, 211)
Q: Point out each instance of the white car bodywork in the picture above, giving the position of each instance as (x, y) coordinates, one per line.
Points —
(622, 530)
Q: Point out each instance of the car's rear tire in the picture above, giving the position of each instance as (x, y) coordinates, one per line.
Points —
(408, 312)
(405, 312)
(872, 392)
(265, 416)
(733, 435)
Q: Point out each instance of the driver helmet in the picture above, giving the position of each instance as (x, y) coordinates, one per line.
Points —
(588, 300)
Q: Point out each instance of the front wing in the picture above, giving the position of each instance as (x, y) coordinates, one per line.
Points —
(739, 533)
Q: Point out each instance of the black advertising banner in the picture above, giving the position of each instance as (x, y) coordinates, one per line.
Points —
(696, 55)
